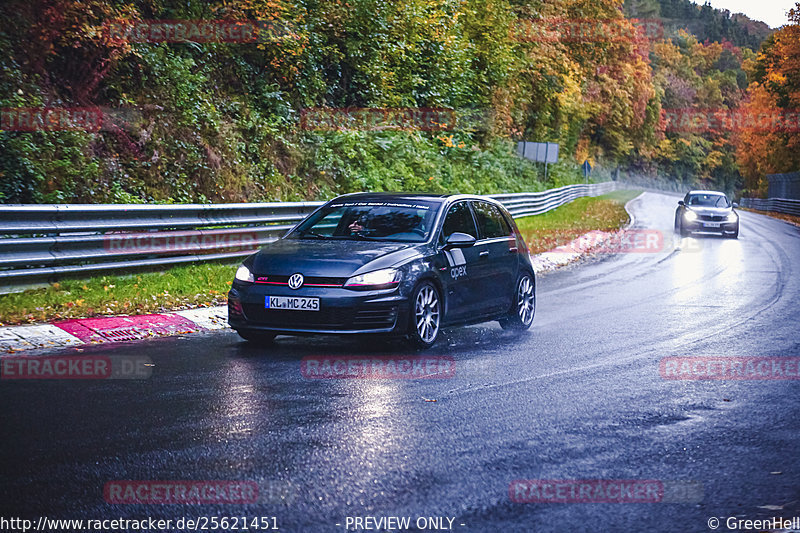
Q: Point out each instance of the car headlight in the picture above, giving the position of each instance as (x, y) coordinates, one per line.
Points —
(377, 279)
(732, 217)
(690, 215)
(244, 274)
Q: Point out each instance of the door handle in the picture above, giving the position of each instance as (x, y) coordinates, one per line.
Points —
(513, 250)
(484, 253)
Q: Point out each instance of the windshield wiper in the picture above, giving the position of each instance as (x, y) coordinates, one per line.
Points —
(308, 233)
(363, 237)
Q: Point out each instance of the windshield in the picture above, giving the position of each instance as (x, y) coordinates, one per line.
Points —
(399, 221)
(708, 200)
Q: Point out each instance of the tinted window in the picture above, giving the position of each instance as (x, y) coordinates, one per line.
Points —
(708, 200)
(491, 222)
(369, 219)
(327, 225)
(459, 219)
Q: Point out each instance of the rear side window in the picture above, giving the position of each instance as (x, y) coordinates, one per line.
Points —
(458, 219)
(491, 221)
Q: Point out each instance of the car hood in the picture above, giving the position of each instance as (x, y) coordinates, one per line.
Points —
(700, 210)
(329, 258)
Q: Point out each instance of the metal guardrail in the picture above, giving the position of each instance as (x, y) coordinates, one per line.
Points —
(535, 203)
(44, 242)
(784, 186)
(777, 205)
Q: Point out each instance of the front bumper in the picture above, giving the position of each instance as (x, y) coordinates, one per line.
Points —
(342, 311)
(699, 226)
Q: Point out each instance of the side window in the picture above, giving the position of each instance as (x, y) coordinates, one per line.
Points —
(327, 225)
(491, 221)
(458, 219)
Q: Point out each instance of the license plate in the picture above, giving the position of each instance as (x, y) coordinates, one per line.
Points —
(710, 224)
(292, 303)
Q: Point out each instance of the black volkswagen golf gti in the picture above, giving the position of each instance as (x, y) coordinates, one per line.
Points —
(399, 264)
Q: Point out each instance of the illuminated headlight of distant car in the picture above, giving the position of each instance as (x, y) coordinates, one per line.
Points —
(733, 217)
(244, 274)
(690, 215)
(377, 279)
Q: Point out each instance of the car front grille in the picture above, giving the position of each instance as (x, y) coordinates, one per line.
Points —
(712, 218)
(378, 317)
(324, 318)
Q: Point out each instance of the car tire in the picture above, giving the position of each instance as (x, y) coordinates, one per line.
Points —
(256, 337)
(520, 316)
(425, 315)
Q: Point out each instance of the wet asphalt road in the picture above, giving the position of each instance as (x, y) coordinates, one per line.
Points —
(577, 397)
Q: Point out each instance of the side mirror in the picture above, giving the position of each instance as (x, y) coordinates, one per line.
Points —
(735, 204)
(680, 202)
(459, 240)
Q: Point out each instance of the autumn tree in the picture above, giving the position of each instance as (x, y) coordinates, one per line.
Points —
(773, 146)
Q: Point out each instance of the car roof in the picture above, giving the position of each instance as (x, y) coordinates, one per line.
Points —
(415, 195)
(385, 195)
(707, 192)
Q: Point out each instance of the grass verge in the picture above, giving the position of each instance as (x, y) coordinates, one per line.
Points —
(562, 225)
(204, 285)
(792, 219)
(182, 287)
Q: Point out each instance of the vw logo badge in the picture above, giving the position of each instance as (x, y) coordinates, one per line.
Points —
(295, 281)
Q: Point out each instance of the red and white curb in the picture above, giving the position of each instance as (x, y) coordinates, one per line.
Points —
(110, 329)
